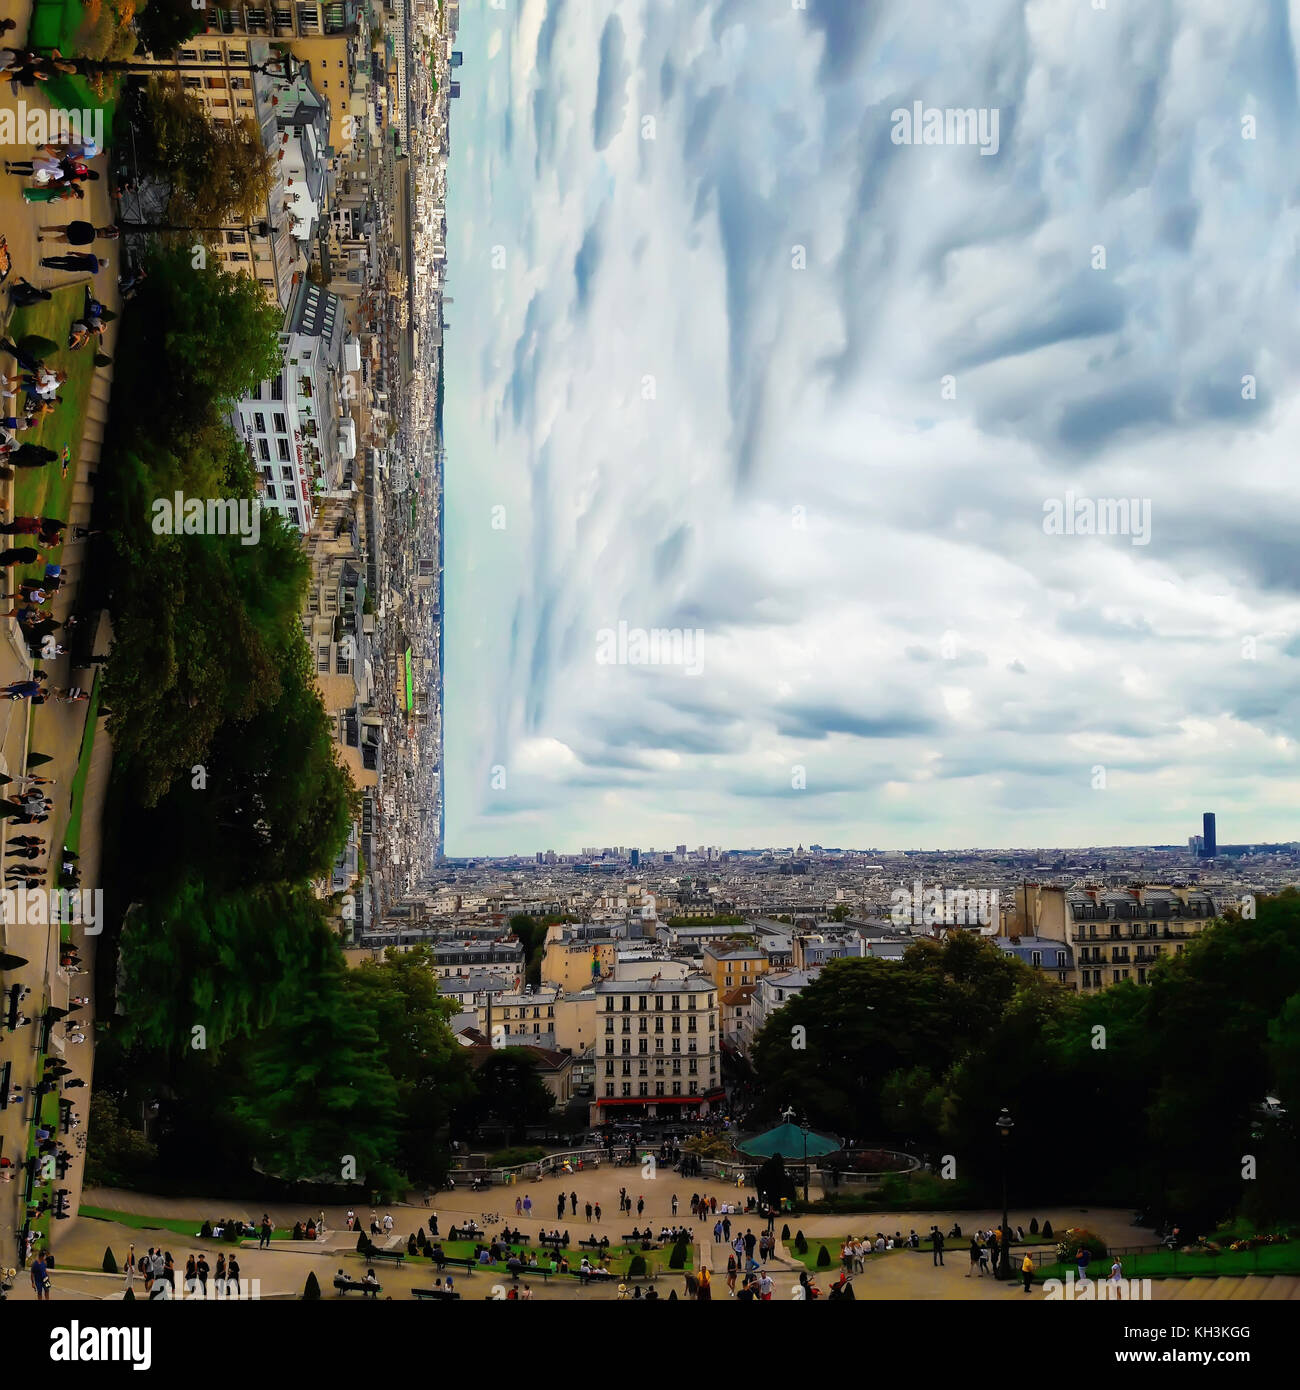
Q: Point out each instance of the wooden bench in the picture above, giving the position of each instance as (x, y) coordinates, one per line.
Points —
(445, 1295)
(594, 1244)
(464, 1262)
(398, 1255)
(529, 1272)
(347, 1286)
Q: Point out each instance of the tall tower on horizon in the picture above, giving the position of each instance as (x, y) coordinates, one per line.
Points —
(1211, 845)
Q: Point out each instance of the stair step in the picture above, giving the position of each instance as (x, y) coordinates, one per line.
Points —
(1254, 1286)
(1225, 1286)
(1282, 1286)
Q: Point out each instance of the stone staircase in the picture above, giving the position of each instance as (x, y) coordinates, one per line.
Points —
(1237, 1288)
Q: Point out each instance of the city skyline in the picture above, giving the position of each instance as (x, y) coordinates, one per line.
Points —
(831, 417)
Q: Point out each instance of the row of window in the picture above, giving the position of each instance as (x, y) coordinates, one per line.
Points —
(643, 1005)
(643, 1088)
(659, 1025)
(643, 1046)
(692, 1067)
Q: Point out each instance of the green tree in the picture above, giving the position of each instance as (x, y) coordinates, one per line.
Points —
(315, 1089)
(116, 1154)
(428, 1066)
(222, 962)
(507, 1092)
(215, 171)
(164, 25)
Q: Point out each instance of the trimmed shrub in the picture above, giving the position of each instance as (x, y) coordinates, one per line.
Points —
(311, 1289)
(128, 1296)
(1033, 1227)
(511, 1158)
(800, 1244)
(1074, 1239)
(1047, 1229)
(785, 1232)
(110, 1264)
(823, 1257)
(678, 1258)
(637, 1267)
(363, 1244)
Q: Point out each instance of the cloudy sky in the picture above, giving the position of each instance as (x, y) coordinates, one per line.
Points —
(727, 357)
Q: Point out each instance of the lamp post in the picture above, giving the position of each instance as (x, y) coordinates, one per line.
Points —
(1005, 1124)
(803, 1125)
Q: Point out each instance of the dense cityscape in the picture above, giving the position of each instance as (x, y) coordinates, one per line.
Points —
(276, 663)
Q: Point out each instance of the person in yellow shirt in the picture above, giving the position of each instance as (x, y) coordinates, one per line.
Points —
(1027, 1271)
(705, 1291)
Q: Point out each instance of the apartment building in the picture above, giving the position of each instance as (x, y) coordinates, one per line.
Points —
(657, 1049)
(772, 992)
(576, 955)
(1115, 934)
(217, 68)
(299, 431)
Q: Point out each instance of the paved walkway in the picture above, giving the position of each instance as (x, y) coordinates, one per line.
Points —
(53, 729)
(282, 1270)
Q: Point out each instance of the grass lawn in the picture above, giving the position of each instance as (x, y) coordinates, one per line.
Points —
(45, 491)
(1170, 1264)
(56, 24)
(180, 1226)
(619, 1257)
(72, 836)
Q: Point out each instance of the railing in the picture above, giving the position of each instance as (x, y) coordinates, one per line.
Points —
(1157, 1261)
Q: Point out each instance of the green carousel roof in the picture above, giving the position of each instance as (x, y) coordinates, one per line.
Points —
(788, 1141)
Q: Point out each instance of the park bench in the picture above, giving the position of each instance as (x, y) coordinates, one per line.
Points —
(444, 1295)
(594, 1244)
(398, 1255)
(457, 1261)
(346, 1285)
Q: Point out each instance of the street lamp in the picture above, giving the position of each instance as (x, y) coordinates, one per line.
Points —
(1005, 1124)
(803, 1125)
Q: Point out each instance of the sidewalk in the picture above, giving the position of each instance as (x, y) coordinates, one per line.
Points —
(56, 730)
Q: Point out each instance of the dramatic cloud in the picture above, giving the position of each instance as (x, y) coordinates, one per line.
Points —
(776, 412)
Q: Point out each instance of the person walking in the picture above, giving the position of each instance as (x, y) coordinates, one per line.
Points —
(1082, 1258)
(41, 1278)
(573, 1200)
(82, 261)
(1027, 1271)
(20, 555)
(936, 1245)
(589, 1213)
(597, 1211)
(129, 1272)
(78, 233)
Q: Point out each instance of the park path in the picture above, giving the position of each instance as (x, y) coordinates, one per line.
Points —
(57, 729)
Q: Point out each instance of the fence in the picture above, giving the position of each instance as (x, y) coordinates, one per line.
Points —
(1154, 1261)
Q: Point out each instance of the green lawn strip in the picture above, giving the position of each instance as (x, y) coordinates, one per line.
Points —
(45, 491)
(47, 1118)
(181, 1226)
(57, 24)
(1198, 1264)
(619, 1257)
(72, 836)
